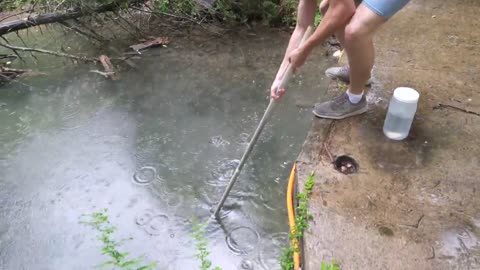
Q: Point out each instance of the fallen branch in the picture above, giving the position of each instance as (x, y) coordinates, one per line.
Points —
(446, 106)
(60, 54)
(104, 74)
(10, 75)
(48, 18)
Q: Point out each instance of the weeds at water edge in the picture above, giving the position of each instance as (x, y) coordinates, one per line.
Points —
(302, 218)
(202, 253)
(119, 260)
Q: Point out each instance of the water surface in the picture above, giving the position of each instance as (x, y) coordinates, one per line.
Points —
(156, 149)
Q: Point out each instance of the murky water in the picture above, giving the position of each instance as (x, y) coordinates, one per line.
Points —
(156, 149)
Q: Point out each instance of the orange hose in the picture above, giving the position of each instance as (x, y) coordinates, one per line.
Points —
(291, 217)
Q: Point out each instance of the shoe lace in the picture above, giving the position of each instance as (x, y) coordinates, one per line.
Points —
(345, 70)
(340, 99)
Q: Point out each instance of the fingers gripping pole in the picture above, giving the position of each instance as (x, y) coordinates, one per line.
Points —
(256, 134)
(289, 70)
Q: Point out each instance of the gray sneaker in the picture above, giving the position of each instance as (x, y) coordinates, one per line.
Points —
(342, 74)
(340, 107)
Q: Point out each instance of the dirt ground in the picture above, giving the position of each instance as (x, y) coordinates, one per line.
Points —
(414, 204)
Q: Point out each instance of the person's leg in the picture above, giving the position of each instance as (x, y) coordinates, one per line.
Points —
(368, 18)
(342, 73)
(359, 35)
(384, 9)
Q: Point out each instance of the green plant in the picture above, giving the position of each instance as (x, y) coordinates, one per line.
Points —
(182, 7)
(330, 266)
(318, 18)
(119, 260)
(202, 253)
(302, 218)
(289, 12)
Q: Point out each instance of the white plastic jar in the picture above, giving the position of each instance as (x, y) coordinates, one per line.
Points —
(401, 111)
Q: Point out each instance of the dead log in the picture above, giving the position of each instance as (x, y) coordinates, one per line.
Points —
(54, 17)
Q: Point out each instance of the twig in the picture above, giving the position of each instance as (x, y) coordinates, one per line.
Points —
(121, 25)
(99, 37)
(415, 225)
(80, 32)
(32, 9)
(13, 15)
(60, 54)
(447, 106)
(139, 31)
(25, 44)
(433, 254)
(328, 152)
(14, 51)
(151, 11)
(104, 74)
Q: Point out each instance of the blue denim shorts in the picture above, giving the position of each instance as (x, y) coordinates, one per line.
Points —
(385, 8)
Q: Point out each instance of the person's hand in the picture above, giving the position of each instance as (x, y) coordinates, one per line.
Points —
(297, 57)
(275, 92)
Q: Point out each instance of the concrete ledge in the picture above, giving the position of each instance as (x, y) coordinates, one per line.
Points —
(413, 204)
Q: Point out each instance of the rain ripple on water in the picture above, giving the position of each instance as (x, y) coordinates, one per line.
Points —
(219, 141)
(224, 171)
(145, 175)
(152, 223)
(242, 240)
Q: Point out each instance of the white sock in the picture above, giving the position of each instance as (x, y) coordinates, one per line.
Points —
(354, 98)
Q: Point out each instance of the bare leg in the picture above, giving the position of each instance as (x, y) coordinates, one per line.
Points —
(359, 35)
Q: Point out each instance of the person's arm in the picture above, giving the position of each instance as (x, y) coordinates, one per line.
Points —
(337, 17)
(305, 17)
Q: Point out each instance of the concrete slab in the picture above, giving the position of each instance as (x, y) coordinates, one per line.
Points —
(413, 204)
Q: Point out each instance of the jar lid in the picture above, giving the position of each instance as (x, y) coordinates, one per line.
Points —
(406, 94)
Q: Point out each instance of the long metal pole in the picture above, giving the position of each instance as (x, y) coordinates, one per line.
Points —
(259, 129)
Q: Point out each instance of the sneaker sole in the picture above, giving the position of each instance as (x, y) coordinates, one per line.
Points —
(362, 110)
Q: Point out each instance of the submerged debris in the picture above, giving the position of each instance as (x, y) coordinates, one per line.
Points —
(107, 65)
(159, 41)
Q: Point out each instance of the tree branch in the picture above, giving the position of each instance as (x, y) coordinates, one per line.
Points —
(53, 17)
(25, 49)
